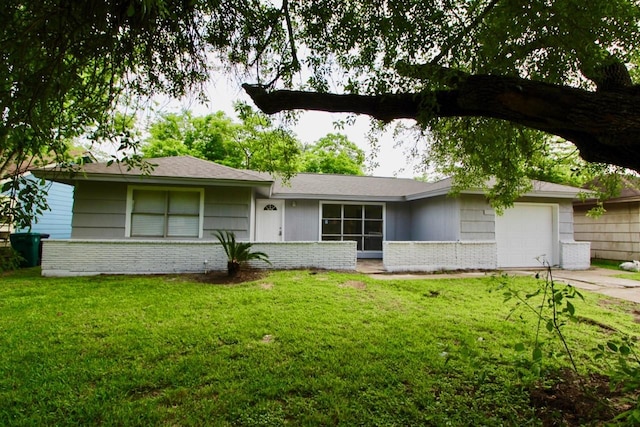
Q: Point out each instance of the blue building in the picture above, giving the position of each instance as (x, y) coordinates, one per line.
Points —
(57, 220)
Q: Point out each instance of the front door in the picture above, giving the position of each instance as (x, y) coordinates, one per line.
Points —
(269, 219)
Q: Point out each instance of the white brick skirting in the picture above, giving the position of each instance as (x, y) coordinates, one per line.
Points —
(575, 255)
(90, 257)
(435, 256)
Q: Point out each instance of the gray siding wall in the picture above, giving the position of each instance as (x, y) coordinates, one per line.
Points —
(227, 208)
(301, 221)
(99, 210)
(435, 219)
(477, 218)
(398, 222)
(614, 235)
(565, 211)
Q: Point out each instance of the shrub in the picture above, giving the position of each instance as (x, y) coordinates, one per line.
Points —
(9, 259)
(238, 253)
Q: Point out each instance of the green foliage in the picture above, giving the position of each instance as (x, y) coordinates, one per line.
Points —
(209, 137)
(238, 253)
(22, 200)
(333, 153)
(625, 373)
(67, 63)
(254, 144)
(362, 46)
(9, 259)
(552, 312)
(264, 147)
(555, 309)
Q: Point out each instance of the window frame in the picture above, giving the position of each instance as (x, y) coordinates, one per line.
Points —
(342, 219)
(129, 208)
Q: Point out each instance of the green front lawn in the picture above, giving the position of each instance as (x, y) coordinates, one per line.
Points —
(293, 348)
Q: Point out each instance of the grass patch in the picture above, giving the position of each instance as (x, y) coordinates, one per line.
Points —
(298, 348)
(629, 275)
(609, 264)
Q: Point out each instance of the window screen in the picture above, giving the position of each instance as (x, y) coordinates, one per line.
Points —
(360, 223)
(165, 213)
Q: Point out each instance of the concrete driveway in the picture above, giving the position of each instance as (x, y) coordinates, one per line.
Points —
(599, 280)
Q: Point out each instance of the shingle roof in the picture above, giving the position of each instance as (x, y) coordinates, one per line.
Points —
(630, 192)
(179, 167)
(369, 187)
(304, 185)
(326, 185)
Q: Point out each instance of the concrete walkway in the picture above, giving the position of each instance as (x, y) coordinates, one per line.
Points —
(599, 280)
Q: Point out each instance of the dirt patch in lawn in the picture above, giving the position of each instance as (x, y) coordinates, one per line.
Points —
(222, 278)
(571, 400)
(355, 284)
(629, 306)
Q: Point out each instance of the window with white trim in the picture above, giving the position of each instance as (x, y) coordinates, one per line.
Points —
(360, 223)
(165, 213)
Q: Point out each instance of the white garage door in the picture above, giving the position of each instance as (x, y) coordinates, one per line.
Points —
(526, 233)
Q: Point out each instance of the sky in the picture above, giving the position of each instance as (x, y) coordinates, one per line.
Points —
(311, 126)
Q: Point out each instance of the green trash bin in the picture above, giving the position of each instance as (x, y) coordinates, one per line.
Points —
(28, 246)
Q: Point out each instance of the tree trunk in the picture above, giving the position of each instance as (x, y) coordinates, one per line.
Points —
(604, 125)
(233, 267)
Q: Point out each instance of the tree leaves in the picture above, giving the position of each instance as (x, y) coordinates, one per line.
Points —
(254, 144)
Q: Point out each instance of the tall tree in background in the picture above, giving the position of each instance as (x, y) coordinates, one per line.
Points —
(252, 144)
(209, 137)
(264, 147)
(333, 153)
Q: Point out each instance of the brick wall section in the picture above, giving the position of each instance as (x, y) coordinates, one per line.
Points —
(90, 257)
(575, 255)
(435, 256)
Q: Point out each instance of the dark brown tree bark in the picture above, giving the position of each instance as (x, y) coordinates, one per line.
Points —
(604, 125)
(233, 267)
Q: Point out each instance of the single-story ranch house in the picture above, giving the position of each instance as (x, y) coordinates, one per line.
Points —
(126, 221)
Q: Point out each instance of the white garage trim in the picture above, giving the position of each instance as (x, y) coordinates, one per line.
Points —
(527, 234)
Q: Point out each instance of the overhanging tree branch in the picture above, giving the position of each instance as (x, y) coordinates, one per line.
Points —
(605, 126)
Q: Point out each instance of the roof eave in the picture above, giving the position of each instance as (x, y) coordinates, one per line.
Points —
(338, 197)
(427, 194)
(537, 194)
(616, 201)
(552, 194)
(145, 179)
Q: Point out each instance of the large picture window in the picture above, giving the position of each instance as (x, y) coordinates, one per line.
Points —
(165, 213)
(361, 223)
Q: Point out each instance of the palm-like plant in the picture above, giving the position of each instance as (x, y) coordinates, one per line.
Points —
(238, 252)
